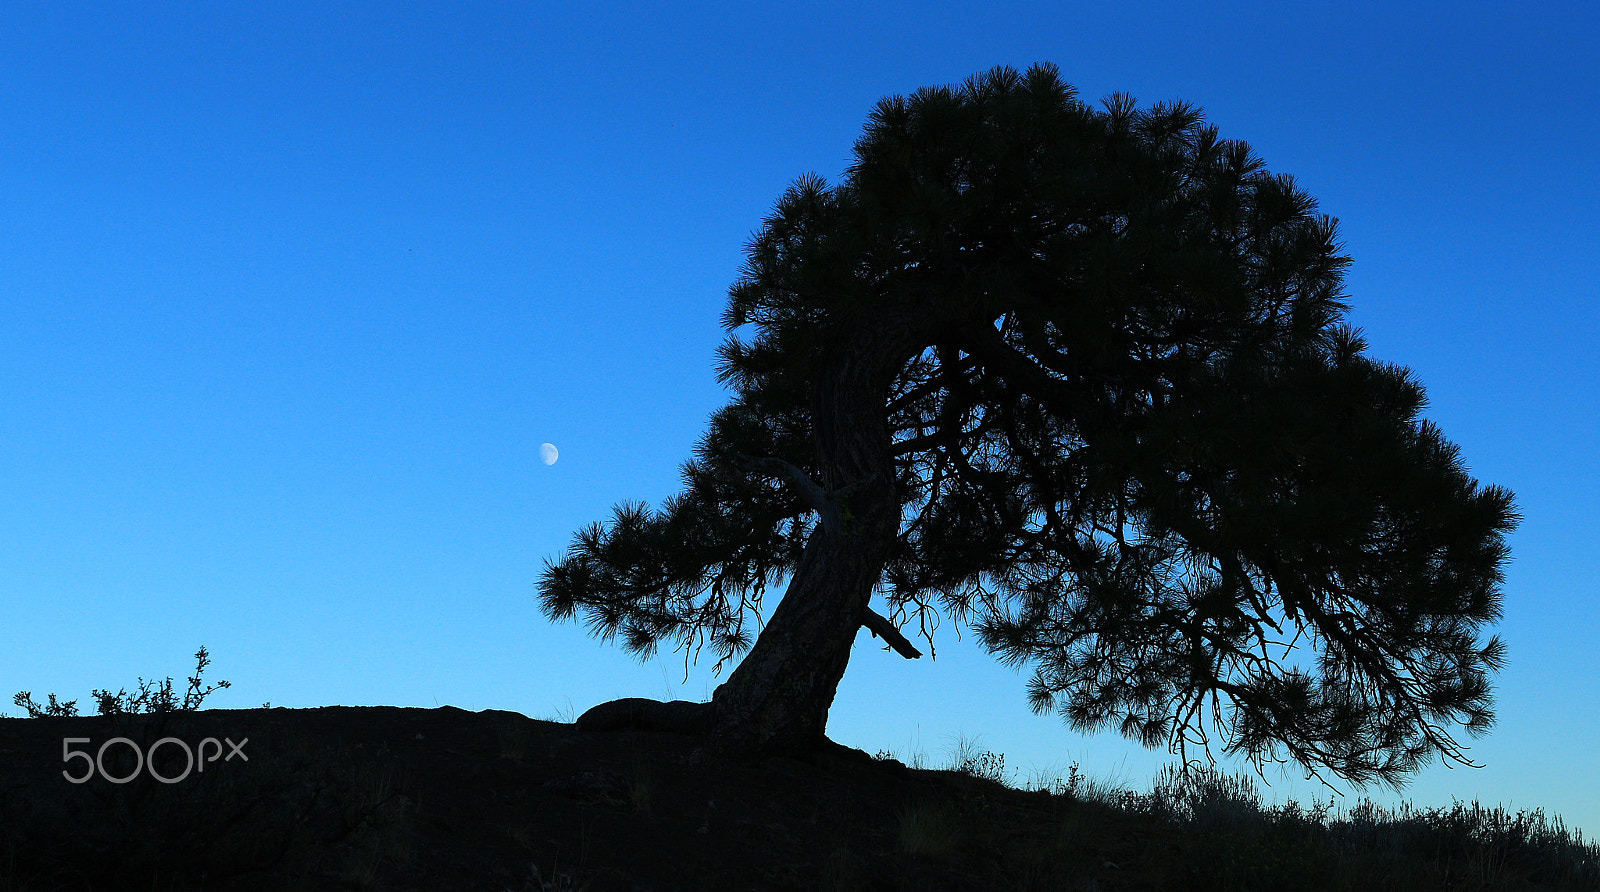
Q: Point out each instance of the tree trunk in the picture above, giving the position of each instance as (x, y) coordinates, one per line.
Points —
(776, 702)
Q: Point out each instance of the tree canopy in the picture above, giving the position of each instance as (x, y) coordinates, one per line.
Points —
(1078, 378)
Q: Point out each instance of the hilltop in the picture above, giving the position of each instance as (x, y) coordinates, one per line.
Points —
(352, 798)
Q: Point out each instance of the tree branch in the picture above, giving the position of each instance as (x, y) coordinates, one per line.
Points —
(880, 627)
(921, 443)
(990, 347)
(815, 497)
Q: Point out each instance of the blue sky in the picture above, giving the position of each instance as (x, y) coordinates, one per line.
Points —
(290, 294)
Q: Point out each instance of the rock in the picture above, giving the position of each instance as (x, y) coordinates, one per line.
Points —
(643, 714)
(593, 784)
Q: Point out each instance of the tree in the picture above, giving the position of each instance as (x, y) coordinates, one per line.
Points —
(1077, 378)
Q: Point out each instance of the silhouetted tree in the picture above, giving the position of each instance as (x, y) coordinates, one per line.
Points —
(1077, 378)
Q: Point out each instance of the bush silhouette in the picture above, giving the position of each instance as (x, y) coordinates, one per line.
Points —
(149, 699)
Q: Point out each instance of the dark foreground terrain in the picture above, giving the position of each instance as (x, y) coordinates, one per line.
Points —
(443, 799)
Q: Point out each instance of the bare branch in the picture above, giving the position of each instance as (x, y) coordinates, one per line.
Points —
(880, 627)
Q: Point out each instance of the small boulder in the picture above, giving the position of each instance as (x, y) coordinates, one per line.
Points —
(643, 714)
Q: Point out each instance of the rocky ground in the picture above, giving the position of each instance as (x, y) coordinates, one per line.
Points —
(443, 799)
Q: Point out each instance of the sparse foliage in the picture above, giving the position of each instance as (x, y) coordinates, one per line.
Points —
(150, 697)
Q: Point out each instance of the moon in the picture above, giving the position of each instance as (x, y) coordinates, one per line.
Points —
(548, 453)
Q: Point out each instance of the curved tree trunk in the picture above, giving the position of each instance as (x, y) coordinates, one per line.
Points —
(777, 700)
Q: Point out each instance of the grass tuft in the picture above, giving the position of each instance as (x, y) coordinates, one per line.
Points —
(1204, 829)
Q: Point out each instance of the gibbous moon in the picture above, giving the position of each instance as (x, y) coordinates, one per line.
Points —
(548, 453)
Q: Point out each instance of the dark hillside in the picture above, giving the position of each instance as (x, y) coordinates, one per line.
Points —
(352, 798)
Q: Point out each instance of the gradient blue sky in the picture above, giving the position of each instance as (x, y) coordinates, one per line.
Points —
(290, 294)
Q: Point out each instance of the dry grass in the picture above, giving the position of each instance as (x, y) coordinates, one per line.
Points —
(1212, 833)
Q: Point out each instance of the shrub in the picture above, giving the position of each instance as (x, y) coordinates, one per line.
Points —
(148, 700)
